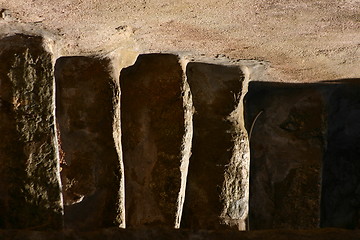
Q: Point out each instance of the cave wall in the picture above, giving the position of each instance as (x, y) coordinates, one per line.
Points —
(117, 148)
(163, 144)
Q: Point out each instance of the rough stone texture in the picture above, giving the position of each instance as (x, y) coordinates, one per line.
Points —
(341, 178)
(91, 168)
(166, 234)
(216, 194)
(29, 173)
(304, 40)
(287, 148)
(152, 119)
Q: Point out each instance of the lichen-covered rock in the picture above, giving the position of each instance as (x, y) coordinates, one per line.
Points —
(153, 128)
(217, 189)
(29, 173)
(87, 96)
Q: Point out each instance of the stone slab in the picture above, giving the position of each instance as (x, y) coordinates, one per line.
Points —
(29, 172)
(91, 174)
(152, 119)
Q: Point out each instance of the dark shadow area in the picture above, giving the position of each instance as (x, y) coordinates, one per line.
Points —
(305, 155)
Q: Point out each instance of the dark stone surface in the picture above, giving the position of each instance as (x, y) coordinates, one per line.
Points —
(215, 90)
(341, 174)
(29, 182)
(91, 168)
(287, 148)
(305, 129)
(152, 119)
(162, 234)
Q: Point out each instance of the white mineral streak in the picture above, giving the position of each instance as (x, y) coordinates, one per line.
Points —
(121, 58)
(50, 46)
(186, 142)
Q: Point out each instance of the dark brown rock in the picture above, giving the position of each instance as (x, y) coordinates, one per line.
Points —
(87, 96)
(341, 170)
(152, 119)
(216, 194)
(29, 173)
(287, 148)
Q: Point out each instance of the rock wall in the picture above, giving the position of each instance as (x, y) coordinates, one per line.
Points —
(341, 179)
(215, 194)
(304, 155)
(30, 195)
(91, 171)
(153, 128)
(87, 145)
(72, 160)
(287, 148)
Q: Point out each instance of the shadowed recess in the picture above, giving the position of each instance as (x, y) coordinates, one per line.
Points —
(152, 120)
(91, 172)
(304, 157)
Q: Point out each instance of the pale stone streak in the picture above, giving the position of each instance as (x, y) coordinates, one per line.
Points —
(235, 191)
(120, 58)
(187, 142)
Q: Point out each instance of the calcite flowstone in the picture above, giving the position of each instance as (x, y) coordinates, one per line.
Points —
(29, 173)
(153, 128)
(217, 186)
(87, 98)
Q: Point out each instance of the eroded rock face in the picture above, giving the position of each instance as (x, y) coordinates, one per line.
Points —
(29, 175)
(287, 149)
(153, 127)
(91, 174)
(216, 194)
(304, 155)
(304, 146)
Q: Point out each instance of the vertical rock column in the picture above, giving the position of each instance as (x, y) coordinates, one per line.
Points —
(153, 139)
(217, 190)
(29, 172)
(87, 96)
